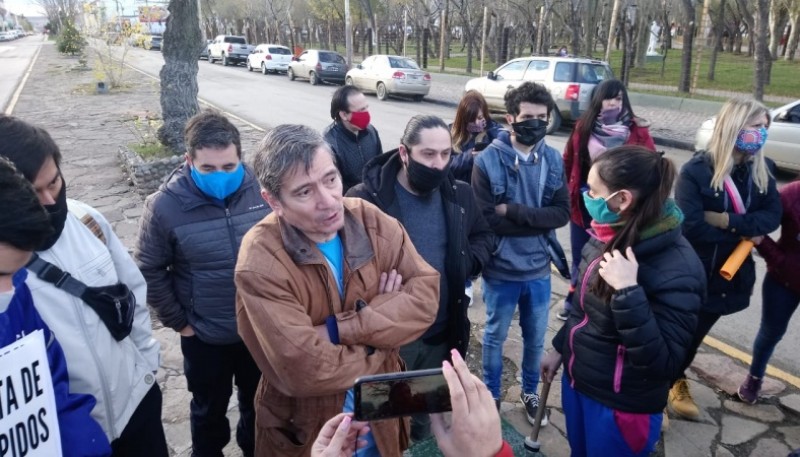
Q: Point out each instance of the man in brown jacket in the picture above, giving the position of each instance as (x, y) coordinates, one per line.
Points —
(328, 289)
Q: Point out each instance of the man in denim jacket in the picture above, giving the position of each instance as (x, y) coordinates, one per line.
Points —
(519, 183)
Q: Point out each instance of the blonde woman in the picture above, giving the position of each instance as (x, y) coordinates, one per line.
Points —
(727, 193)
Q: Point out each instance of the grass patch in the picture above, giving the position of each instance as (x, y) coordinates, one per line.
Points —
(733, 73)
(150, 151)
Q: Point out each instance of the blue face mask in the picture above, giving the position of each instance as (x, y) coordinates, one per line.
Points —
(598, 208)
(751, 141)
(219, 184)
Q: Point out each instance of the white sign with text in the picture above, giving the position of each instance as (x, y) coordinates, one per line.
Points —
(28, 415)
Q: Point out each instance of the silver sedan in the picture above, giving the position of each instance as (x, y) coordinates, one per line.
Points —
(390, 75)
(783, 140)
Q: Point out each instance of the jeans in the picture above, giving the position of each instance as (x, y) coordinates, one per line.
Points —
(779, 303)
(210, 371)
(501, 299)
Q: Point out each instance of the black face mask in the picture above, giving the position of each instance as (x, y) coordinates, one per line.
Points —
(58, 216)
(529, 132)
(424, 179)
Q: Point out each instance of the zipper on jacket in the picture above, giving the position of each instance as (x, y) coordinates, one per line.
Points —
(618, 368)
(231, 233)
(584, 284)
(118, 305)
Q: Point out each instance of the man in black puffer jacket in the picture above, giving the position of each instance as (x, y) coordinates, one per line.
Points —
(187, 248)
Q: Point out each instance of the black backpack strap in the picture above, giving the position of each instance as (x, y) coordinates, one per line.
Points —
(48, 272)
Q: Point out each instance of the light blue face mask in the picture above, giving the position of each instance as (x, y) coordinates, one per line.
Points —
(598, 208)
(219, 184)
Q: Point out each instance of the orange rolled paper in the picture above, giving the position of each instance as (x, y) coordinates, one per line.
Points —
(736, 259)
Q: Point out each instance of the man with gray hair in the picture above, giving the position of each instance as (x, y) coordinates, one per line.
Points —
(328, 289)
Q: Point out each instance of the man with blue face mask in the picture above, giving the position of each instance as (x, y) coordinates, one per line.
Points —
(187, 248)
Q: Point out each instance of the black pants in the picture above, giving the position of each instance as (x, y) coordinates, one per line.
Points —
(210, 372)
(144, 434)
(705, 321)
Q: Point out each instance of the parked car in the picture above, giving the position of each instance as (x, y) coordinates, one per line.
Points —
(783, 138)
(390, 75)
(318, 66)
(204, 51)
(270, 58)
(229, 49)
(152, 41)
(570, 80)
(6, 36)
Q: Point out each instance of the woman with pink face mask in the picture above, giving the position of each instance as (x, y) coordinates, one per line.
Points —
(472, 130)
(727, 194)
(608, 122)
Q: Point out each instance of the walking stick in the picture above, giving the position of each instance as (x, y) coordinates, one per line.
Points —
(532, 445)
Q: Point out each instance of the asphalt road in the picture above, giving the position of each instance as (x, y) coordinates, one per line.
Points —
(14, 59)
(269, 100)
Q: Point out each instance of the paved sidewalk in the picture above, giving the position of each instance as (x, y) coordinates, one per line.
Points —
(87, 127)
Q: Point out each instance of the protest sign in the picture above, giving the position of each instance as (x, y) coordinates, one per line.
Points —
(28, 415)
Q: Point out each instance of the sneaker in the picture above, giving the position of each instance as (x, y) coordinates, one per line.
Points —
(749, 390)
(680, 400)
(563, 314)
(531, 402)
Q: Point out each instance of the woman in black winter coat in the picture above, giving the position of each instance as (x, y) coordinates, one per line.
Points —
(630, 327)
(727, 194)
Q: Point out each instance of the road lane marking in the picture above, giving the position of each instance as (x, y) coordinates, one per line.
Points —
(15, 97)
(731, 351)
(203, 101)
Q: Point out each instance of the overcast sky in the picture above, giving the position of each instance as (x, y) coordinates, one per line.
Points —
(30, 8)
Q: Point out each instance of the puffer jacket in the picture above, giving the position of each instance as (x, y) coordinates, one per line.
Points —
(81, 436)
(187, 249)
(352, 151)
(118, 374)
(783, 256)
(577, 171)
(694, 195)
(285, 288)
(626, 353)
(469, 238)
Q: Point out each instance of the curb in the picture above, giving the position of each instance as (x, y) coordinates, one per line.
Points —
(673, 143)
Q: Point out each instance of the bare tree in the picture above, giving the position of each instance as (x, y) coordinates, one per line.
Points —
(181, 46)
(761, 73)
(689, 25)
(791, 45)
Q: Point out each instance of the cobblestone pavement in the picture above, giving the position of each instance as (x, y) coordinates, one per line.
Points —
(59, 97)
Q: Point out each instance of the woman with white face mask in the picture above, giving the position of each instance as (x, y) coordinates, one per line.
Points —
(727, 194)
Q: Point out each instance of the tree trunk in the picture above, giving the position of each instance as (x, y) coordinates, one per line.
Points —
(760, 75)
(689, 19)
(778, 16)
(590, 19)
(719, 27)
(182, 43)
(791, 46)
